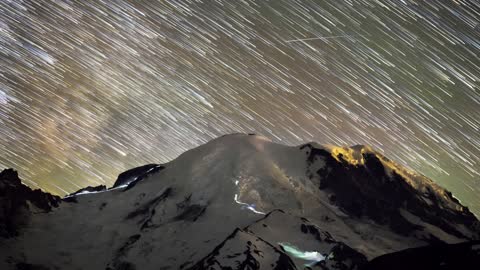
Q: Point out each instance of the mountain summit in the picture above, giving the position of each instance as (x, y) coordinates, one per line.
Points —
(242, 202)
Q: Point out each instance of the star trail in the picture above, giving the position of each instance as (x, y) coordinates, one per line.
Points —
(89, 89)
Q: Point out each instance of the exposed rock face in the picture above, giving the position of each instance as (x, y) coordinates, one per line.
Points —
(368, 189)
(237, 202)
(18, 201)
(137, 174)
(89, 189)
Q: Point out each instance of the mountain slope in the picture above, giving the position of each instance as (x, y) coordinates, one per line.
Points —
(242, 250)
(339, 207)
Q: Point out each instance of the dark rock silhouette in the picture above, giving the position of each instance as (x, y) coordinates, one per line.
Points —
(463, 256)
(17, 201)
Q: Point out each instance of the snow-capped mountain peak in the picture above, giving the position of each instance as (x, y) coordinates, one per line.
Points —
(240, 200)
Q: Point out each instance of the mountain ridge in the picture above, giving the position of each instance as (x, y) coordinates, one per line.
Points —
(307, 198)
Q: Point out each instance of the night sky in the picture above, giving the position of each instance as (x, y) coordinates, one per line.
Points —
(89, 89)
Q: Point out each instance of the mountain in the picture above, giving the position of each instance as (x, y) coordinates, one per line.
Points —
(239, 202)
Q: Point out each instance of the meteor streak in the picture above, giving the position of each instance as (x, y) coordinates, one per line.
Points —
(316, 38)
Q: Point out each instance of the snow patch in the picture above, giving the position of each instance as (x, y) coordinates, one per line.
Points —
(311, 256)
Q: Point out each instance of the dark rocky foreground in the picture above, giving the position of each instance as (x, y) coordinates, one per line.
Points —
(440, 256)
(18, 201)
(329, 208)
